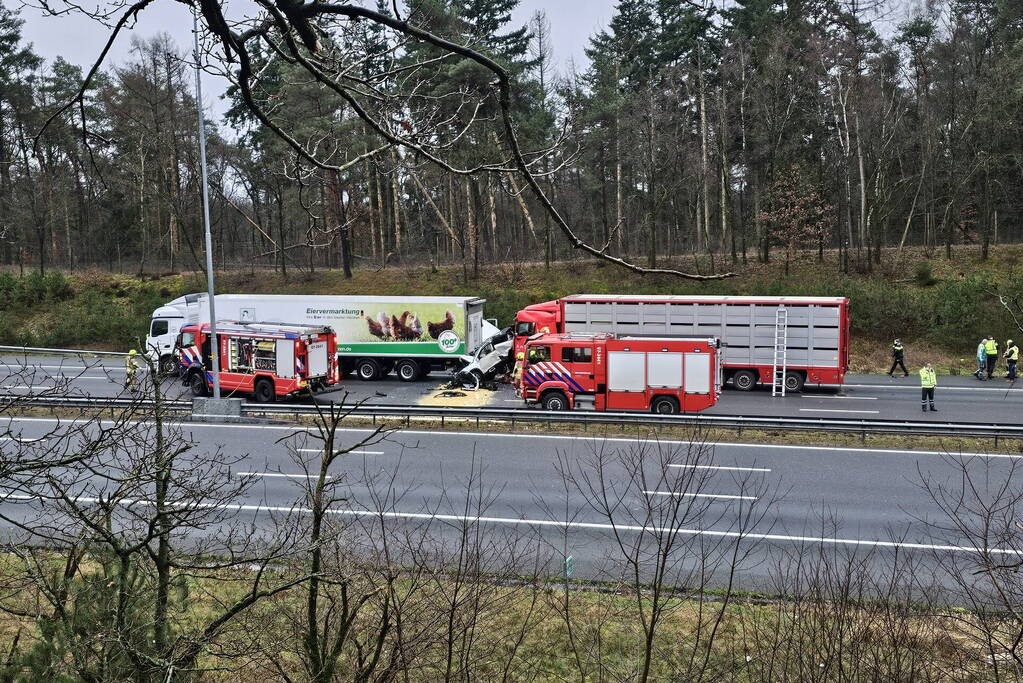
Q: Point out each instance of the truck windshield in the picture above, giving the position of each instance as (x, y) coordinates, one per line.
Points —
(524, 329)
(539, 354)
(186, 339)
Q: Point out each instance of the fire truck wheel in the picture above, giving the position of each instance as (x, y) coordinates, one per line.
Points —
(408, 370)
(264, 391)
(367, 369)
(794, 381)
(197, 383)
(168, 366)
(744, 380)
(554, 400)
(664, 405)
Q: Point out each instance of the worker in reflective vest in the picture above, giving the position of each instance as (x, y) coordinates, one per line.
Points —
(992, 355)
(928, 380)
(1011, 357)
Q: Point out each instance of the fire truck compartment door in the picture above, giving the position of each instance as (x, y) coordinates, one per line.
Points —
(698, 373)
(664, 370)
(626, 371)
(285, 358)
(318, 359)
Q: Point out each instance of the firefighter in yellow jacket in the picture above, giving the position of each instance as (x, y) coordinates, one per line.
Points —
(928, 380)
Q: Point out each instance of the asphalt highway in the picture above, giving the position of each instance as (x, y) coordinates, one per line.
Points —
(862, 396)
(767, 500)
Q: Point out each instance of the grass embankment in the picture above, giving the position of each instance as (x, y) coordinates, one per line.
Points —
(490, 628)
(939, 308)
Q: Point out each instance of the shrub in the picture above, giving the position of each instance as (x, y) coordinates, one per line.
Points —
(923, 274)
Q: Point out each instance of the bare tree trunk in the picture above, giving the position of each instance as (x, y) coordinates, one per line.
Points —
(704, 170)
(492, 204)
(473, 225)
(522, 205)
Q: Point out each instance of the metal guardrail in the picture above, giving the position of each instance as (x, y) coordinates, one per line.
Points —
(32, 350)
(444, 413)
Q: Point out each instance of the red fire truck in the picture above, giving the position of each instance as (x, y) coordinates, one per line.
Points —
(265, 360)
(769, 339)
(607, 372)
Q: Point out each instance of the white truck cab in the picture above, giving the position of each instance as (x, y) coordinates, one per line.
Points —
(164, 326)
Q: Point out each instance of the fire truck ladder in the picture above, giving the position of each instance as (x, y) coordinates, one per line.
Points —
(780, 365)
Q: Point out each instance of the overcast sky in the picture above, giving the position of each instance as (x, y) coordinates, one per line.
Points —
(79, 40)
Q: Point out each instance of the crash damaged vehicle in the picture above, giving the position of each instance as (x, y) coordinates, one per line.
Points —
(493, 359)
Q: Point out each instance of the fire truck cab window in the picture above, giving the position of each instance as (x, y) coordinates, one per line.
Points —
(576, 354)
(539, 354)
(186, 339)
(524, 329)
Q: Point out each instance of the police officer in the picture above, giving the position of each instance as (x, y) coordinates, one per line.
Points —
(1011, 357)
(992, 354)
(898, 359)
(928, 380)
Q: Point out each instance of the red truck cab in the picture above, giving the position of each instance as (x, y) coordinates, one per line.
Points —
(268, 361)
(607, 372)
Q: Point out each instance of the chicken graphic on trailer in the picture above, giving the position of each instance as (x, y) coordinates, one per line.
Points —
(606, 372)
(266, 361)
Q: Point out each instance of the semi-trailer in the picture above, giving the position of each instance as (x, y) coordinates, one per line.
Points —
(766, 339)
(411, 335)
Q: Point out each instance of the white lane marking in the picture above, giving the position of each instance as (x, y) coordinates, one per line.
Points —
(829, 410)
(557, 437)
(22, 439)
(721, 467)
(842, 398)
(917, 387)
(20, 387)
(280, 474)
(553, 523)
(676, 494)
(320, 450)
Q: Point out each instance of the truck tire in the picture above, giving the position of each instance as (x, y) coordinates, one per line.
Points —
(794, 381)
(264, 391)
(367, 369)
(168, 366)
(554, 400)
(745, 380)
(408, 370)
(197, 383)
(664, 405)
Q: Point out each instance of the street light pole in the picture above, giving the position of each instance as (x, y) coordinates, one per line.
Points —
(214, 342)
